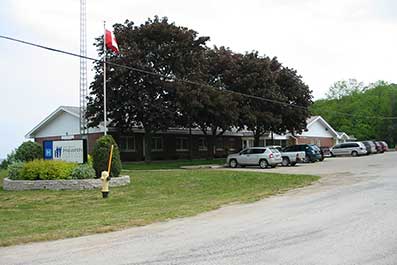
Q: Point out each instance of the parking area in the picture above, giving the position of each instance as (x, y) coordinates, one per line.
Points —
(338, 170)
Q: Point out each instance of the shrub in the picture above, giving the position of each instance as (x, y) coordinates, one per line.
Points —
(100, 156)
(8, 161)
(29, 151)
(84, 171)
(14, 170)
(47, 169)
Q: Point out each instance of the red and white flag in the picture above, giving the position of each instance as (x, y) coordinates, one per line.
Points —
(111, 42)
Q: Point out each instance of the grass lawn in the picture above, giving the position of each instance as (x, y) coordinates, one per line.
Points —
(176, 164)
(153, 196)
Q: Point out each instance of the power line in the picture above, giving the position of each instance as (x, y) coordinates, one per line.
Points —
(286, 104)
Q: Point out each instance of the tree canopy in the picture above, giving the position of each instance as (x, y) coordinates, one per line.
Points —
(362, 114)
(189, 84)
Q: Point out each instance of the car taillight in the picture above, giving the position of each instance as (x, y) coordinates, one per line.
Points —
(271, 156)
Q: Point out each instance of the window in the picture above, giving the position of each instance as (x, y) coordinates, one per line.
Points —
(219, 145)
(202, 146)
(262, 142)
(157, 144)
(258, 151)
(127, 143)
(182, 144)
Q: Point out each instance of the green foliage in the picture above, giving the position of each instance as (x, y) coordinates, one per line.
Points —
(139, 99)
(365, 109)
(8, 161)
(47, 170)
(84, 171)
(90, 160)
(14, 170)
(101, 153)
(29, 151)
(345, 88)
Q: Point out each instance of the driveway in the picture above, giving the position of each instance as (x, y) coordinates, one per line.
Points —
(348, 217)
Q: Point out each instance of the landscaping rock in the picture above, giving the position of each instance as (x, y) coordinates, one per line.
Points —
(74, 184)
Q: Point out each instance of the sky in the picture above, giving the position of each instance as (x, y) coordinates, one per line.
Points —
(324, 40)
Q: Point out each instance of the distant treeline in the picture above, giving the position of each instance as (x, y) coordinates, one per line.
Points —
(364, 112)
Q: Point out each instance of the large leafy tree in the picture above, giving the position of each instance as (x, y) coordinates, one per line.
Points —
(140, 99)
(207, 104)
(362, 114)
(297, 98)
(255, 77)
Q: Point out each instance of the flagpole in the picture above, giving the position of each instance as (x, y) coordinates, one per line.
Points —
(104, 77)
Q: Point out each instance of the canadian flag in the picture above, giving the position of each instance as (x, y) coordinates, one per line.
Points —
(111, 42)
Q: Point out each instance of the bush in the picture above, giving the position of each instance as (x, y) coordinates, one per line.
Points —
(8, 161)
(14, 170)
(84, 171)
(47, 169)
(100, 156)
(29, 151)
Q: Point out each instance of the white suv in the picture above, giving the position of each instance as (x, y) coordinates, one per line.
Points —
(254, 156)
(351, 148)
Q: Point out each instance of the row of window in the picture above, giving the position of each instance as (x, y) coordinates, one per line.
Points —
(264, 142)
(128, 144)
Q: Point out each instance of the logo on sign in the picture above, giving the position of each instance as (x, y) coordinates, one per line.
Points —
(48, 152)
(58, 152)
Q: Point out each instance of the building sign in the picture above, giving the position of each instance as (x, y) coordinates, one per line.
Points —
(70, 151)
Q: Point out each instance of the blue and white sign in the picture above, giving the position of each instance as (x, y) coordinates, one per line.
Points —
(70, 151)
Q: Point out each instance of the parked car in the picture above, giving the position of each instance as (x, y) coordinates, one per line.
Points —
(312, 154)
(318, 149)
(385, 147)
(290, 158)
(350, 148)
(370, 146)
(378, 147)
(255, 156)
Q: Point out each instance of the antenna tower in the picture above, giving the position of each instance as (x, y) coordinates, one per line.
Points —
(83, 69)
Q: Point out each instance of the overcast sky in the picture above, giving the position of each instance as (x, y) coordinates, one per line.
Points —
(325, 40)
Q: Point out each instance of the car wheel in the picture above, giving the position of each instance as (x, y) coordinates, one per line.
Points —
(307, 159)
(285, 161)
(354, 153)
(233, 163)
(263, 163)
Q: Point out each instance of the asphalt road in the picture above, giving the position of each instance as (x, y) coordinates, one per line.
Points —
(348, 217)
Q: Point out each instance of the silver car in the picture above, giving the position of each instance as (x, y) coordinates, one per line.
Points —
(351, 148)
(255, 156)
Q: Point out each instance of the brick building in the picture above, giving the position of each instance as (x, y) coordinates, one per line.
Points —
(63, 124)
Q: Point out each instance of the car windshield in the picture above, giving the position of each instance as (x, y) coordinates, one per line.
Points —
(314, 146)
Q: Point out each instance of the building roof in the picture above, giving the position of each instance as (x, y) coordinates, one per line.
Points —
(74, 111)
(314, 119)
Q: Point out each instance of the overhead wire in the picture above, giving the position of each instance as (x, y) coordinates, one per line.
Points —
(184, 80)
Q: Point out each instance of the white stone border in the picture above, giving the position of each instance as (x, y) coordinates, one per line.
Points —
(72, 184)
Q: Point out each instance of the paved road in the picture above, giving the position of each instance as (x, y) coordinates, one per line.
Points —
(349, 217)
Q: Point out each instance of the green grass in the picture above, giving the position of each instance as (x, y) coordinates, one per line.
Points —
(151, 197)
(176, 164)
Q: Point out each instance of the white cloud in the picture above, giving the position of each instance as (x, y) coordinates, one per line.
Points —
(324, 40)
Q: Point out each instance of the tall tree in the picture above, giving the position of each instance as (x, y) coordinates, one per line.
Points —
(254, 77)
(137, 99)
(345, 88)
(298, 99)
(207, 104)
